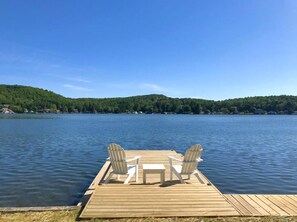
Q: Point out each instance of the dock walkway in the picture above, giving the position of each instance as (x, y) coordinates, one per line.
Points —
(173, 199)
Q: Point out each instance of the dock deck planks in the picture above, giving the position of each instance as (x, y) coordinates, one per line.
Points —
(154, 200)
(264, 205)
(173, 199)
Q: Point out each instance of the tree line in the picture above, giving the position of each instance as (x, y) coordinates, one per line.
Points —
(22, 99)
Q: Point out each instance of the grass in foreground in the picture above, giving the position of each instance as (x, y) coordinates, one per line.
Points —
(70, 216)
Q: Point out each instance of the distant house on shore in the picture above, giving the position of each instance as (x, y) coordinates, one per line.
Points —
(6, 111)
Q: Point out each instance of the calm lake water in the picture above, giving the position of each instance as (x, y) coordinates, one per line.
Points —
(52, 159)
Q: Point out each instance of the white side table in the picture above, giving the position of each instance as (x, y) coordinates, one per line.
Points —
(153, 169)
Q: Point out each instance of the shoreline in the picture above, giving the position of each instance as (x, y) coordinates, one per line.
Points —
(38, 209)
(194, 114)
(72, 215)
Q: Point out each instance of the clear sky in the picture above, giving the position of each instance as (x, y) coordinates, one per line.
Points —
(210, 49)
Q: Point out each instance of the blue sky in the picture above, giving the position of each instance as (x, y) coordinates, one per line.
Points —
(211, 49)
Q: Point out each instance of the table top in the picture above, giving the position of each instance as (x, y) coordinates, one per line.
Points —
(153, 166)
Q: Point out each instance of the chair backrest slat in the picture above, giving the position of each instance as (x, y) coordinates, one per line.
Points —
(190, 159)
(117, 158)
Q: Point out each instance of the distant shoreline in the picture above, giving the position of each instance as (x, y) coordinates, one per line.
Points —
(214, 114)
(25, 99)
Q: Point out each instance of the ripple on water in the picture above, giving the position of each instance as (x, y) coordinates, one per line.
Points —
(52, 159)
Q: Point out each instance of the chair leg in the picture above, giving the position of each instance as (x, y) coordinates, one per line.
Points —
(128, 178)
(199, 178)
(171, 163)
(108, 178)
(178, 176)
(136, 174)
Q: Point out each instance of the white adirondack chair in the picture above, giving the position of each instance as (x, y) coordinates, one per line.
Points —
(120, 165)
(188, 165)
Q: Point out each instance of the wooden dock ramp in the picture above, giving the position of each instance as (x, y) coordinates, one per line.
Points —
(264, 205)
(172, 199)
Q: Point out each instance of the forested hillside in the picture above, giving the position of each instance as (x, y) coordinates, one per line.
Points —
(28, 99)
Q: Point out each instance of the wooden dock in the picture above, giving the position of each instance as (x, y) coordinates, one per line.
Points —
(173, 199)
(264, 205)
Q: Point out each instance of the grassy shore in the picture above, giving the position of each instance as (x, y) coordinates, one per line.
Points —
(70, 216)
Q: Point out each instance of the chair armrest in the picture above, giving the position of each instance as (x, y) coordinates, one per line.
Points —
(199, 160)
(134, 158)
(173, 158)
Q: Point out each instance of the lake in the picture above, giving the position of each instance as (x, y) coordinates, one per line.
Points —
(48, 160)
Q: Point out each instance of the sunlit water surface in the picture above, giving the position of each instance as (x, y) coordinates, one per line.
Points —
(52, 159)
